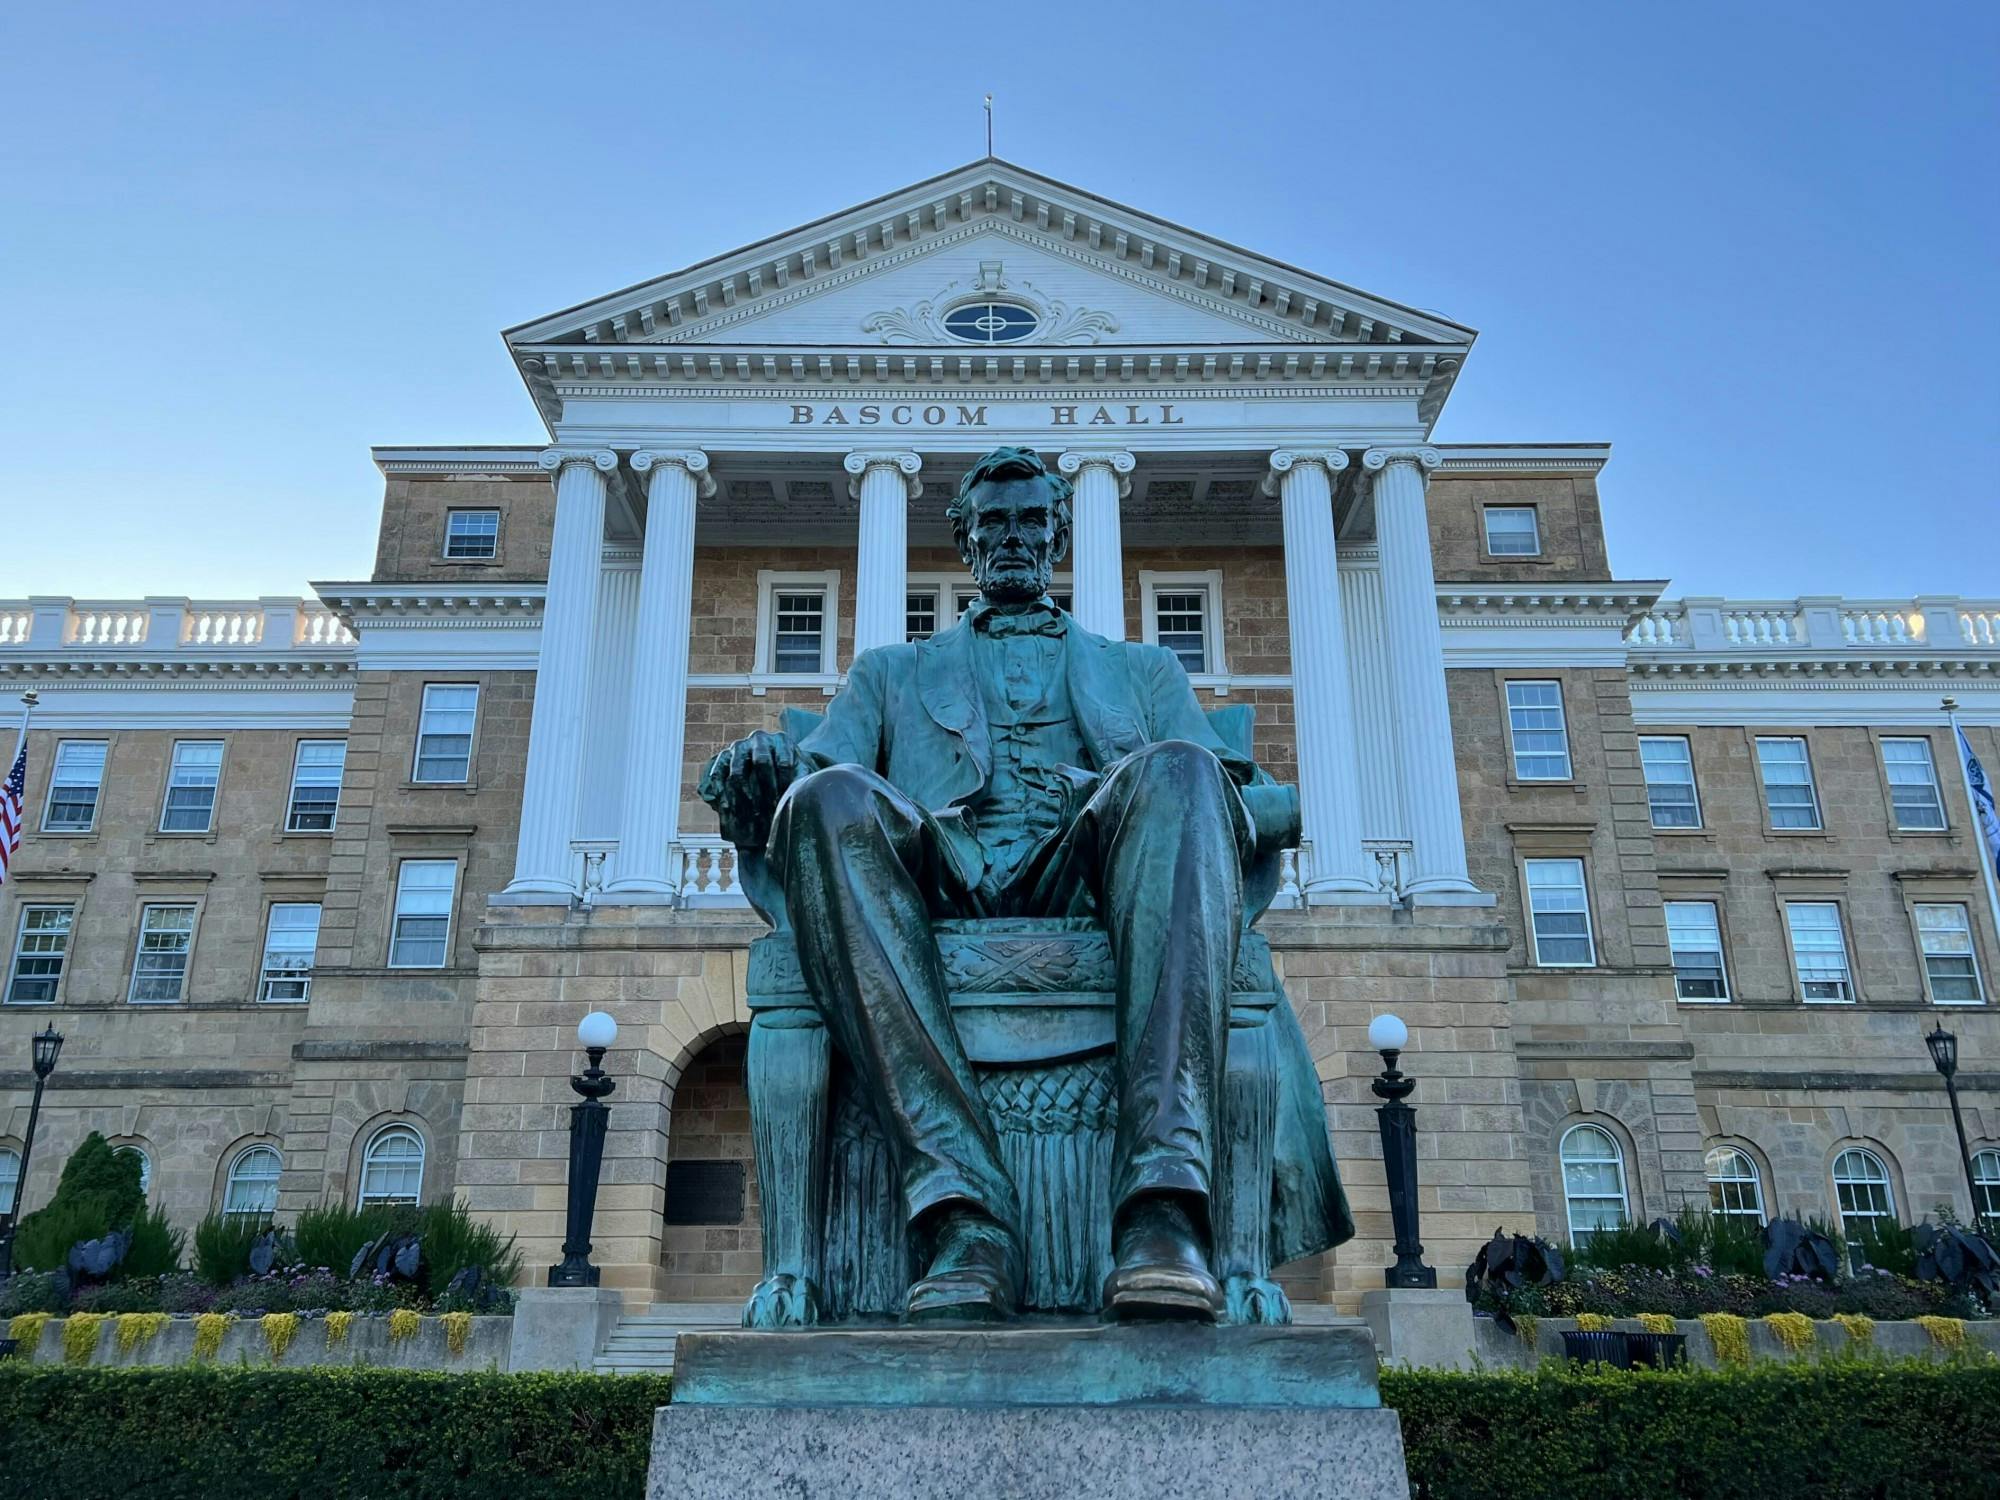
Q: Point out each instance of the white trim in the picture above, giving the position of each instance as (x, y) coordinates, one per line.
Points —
(769, 584)
(1528, 901)
(1209, 583)
(1617, 1158)
(368, 1150)
(396, 913)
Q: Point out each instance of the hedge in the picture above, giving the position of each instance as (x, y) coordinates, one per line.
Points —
(1834, 1431)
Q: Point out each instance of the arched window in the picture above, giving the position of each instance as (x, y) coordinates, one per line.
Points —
(392, 1167)
(1734, 1188)
(10, 1178)
(1985, 1184)
(145, 1165)
(252, 1188)
(1861, 1192)
(1593, 1171)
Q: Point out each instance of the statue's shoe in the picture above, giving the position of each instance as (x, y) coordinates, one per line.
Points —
(1160, 1269)
(974, 1275)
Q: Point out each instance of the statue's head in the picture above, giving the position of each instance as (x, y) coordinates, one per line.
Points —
(1010, 521)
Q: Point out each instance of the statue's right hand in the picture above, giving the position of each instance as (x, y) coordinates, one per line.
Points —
(744, 782)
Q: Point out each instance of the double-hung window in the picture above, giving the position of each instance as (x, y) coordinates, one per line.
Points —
(1789, 794)
(392, 1167)
(472, 535)
(316, 769)
(41, 947)
(1986, 1187)
(10, 1178)
(1864, 1197)
(1668, 763)
(420, 935)
(1180, 623)
(1819, 950)
(444, 732)
(290, 937)
(251, 1191)
(166, 938)
(1559, 913)
(1511, 531)
(798, 630)
(192, 781)
(1913, 785)
(1541, 738)
(1593, 1170)
(1694, 936)
(1944, 933)
(74, 785)
(1734, 1187)
(920, 614)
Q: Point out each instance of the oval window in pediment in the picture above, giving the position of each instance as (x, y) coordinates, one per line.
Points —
(990, 322)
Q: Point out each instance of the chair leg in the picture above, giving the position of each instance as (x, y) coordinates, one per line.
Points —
(788, 1078)
(1249, 1139)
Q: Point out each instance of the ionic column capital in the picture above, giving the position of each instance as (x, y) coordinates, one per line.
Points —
(693, 460)
(1118, 463)
(555, 460)
(1377, 459)
(907, 465)
(1285, 460)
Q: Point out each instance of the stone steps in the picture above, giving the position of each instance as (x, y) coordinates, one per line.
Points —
(643, 1342)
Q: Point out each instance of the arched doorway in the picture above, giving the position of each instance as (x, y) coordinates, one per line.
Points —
(711, 1243)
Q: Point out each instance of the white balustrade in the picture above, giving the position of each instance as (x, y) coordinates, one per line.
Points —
(225, 625)
(1818, 624)
(1980, 627)
(107, 625)
(1758, 625)
(708, 873)
(111, 625)
(15, 623)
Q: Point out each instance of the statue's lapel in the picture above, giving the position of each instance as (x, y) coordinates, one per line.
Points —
(1100, 689)
(950, 693)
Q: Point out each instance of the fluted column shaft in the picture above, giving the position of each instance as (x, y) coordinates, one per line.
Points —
(885, 484)
(1416, 667)
(656, 732)
(1097, 544)
(542, 865)
(1322, 700)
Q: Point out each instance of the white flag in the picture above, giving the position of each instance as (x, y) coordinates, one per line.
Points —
(1982, 803)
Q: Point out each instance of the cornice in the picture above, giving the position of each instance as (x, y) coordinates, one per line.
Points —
(1520, 460)
(407, 606)
(126, 673)
(451, 463)
(1616, 603)
(1808, 670)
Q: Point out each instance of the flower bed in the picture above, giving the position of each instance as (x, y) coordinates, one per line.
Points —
(402, 1339)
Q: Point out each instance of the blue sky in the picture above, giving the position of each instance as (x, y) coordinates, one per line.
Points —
(1751, 245)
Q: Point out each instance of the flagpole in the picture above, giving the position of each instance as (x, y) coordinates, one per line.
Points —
(28, 701)
(1986, 855)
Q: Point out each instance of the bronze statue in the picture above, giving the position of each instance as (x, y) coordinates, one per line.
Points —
(1017, 766)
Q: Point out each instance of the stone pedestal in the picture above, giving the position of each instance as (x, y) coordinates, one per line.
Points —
(1147, 1411)
(562, 1327)
(1428, 1327)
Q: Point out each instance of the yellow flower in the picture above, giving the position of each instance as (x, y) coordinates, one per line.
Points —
(403, 1324)
(1593, 1322)
(1658, 1323)
(337, 1324)
(1730, 1335)
(1526, 1326)
(1947, 1333)
(208, 1331)
(1860, 1327)
(457, 1328)
(1794, 1330)
(279, 1331)
(27, 1327)
(80, 1334)
(138, 1329)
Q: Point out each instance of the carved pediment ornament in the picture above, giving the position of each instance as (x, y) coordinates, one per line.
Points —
(1056, 322)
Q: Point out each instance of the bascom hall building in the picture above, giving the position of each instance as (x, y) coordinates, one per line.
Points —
(1668, 888)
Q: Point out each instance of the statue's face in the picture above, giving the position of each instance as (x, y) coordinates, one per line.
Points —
(1012, 544)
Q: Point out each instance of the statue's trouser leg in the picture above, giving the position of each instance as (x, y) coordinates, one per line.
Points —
(856, 857)
(1167, 834)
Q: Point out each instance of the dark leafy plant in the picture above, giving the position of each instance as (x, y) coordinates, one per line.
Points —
(97, 1194)
(95, 1260)
(472, 1290)
(1793, 1248)
(1505, 1266)
(396, 1256)
(33, 1291)
(1886, 1246)
(331, 1234)
(1957, 1258)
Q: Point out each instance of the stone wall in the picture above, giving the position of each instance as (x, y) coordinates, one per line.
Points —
(711, 1122)
(410, 545)
(1566, 513)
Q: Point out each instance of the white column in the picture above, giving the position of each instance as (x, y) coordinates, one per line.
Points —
(1322, 699)
(885, 484)
(656, 730)
(1416, 671)
(542, 865)
(1097, 543)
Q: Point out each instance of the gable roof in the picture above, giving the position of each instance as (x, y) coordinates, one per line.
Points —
(1269, 300)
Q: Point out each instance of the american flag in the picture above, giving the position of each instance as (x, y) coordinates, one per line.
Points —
(11, 795)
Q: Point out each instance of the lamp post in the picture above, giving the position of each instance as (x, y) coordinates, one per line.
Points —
(1944, 1055)
(1388, 1035)
(44, 1050)
(588, 1118)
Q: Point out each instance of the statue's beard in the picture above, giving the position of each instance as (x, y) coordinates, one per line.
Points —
(1012, 582)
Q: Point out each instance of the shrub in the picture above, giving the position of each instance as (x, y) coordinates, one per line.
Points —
(1628, 1245)
(453, 1240)
(1887, 1247)
(332, 1234)
(98, 1192)
(156, 1245)
(222, 1246)
(43, 1240)
(32, 1292)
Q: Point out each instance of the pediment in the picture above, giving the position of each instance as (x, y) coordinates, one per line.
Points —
(1082, 269)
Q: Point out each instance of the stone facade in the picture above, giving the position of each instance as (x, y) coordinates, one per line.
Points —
(473, 1052)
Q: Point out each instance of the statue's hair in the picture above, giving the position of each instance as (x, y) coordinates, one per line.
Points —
(1008, 463)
